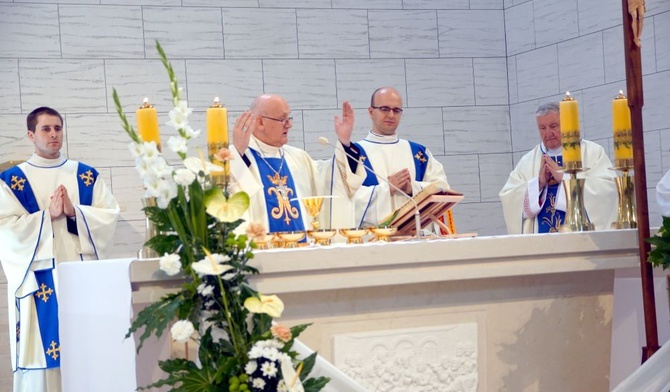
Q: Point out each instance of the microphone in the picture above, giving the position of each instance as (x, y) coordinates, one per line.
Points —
(417, 214)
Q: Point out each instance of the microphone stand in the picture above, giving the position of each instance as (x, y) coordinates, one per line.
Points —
(417, 213)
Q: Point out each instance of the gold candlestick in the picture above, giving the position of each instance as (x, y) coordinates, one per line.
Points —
(576, 218)
(625, 186)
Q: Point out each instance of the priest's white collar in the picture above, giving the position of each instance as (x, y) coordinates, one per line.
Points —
(38, 161)
(266, 150)
(381, 139)
(553, 152)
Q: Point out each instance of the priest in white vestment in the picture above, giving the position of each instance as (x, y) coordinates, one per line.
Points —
(276, 175)
(407, 165)
(53, 210)
(533, 198)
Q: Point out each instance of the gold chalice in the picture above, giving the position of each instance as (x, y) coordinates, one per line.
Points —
(354, 236)
(313, 206)
(290, 239)
(383, 233)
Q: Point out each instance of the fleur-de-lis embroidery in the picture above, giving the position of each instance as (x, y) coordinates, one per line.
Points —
(17, 183)
(87, 177)
(284, 207)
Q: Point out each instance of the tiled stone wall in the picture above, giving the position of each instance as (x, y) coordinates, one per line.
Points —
(472, 73)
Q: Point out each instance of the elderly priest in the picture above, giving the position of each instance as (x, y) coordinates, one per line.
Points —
(276, 175)
(533, 198)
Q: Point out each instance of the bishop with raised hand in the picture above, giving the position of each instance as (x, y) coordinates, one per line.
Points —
(276, 175)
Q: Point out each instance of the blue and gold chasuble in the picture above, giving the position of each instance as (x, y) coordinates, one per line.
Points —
(420, 162)
(46, 303)
(550, 219)
(283, 210)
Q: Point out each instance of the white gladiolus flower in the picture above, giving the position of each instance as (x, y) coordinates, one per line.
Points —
(184, 177)
(170, 264)
(182, 330)
(178, 144)
(179, 115)
(190, 133)
(136, 149)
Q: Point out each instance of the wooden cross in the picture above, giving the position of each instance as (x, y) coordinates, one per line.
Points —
(633, 16)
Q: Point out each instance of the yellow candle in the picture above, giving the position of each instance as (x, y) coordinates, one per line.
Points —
(147, 123)
(623, 134)
(217, 124)
(570, 136)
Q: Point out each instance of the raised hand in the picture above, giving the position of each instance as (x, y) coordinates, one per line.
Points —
(402, 180)
(345, 126)
(244, 127)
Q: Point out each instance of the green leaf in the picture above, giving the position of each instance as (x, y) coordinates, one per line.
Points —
(155, 317)
(315, 384)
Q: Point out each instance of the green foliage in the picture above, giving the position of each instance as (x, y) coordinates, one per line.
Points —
(660, 254)
(198, 225)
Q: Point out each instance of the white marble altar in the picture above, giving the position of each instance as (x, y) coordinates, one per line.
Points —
(540, 306)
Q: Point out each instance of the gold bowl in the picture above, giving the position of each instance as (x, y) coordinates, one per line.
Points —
(354, 236)
(383, 233)
(289, 239)
(265, 242)
(322, 236)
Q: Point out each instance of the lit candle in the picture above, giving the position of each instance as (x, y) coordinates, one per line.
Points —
(147, 123)
(217, 124)
(623, 135)
(570, 137)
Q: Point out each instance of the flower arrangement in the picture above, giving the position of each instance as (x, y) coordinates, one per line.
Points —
(239, 346)
(660, 255)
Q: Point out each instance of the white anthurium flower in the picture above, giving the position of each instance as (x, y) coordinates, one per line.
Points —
(178, 144)
(226, 210)
(170, 264)
(198, 166)
(268, 304)
(182, 330)
(184, 177)
(212, 265)
(291, 377)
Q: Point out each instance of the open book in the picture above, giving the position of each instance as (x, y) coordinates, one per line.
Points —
(432, 202)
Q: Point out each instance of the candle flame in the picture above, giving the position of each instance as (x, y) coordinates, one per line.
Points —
(216, 99)
(568, 97)
(145, 100)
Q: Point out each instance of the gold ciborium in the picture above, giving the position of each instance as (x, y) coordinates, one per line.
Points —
(290, 239)
(383, 233)
(265, 242)
(354, 236)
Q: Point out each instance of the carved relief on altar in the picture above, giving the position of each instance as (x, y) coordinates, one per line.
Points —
(411, 360)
